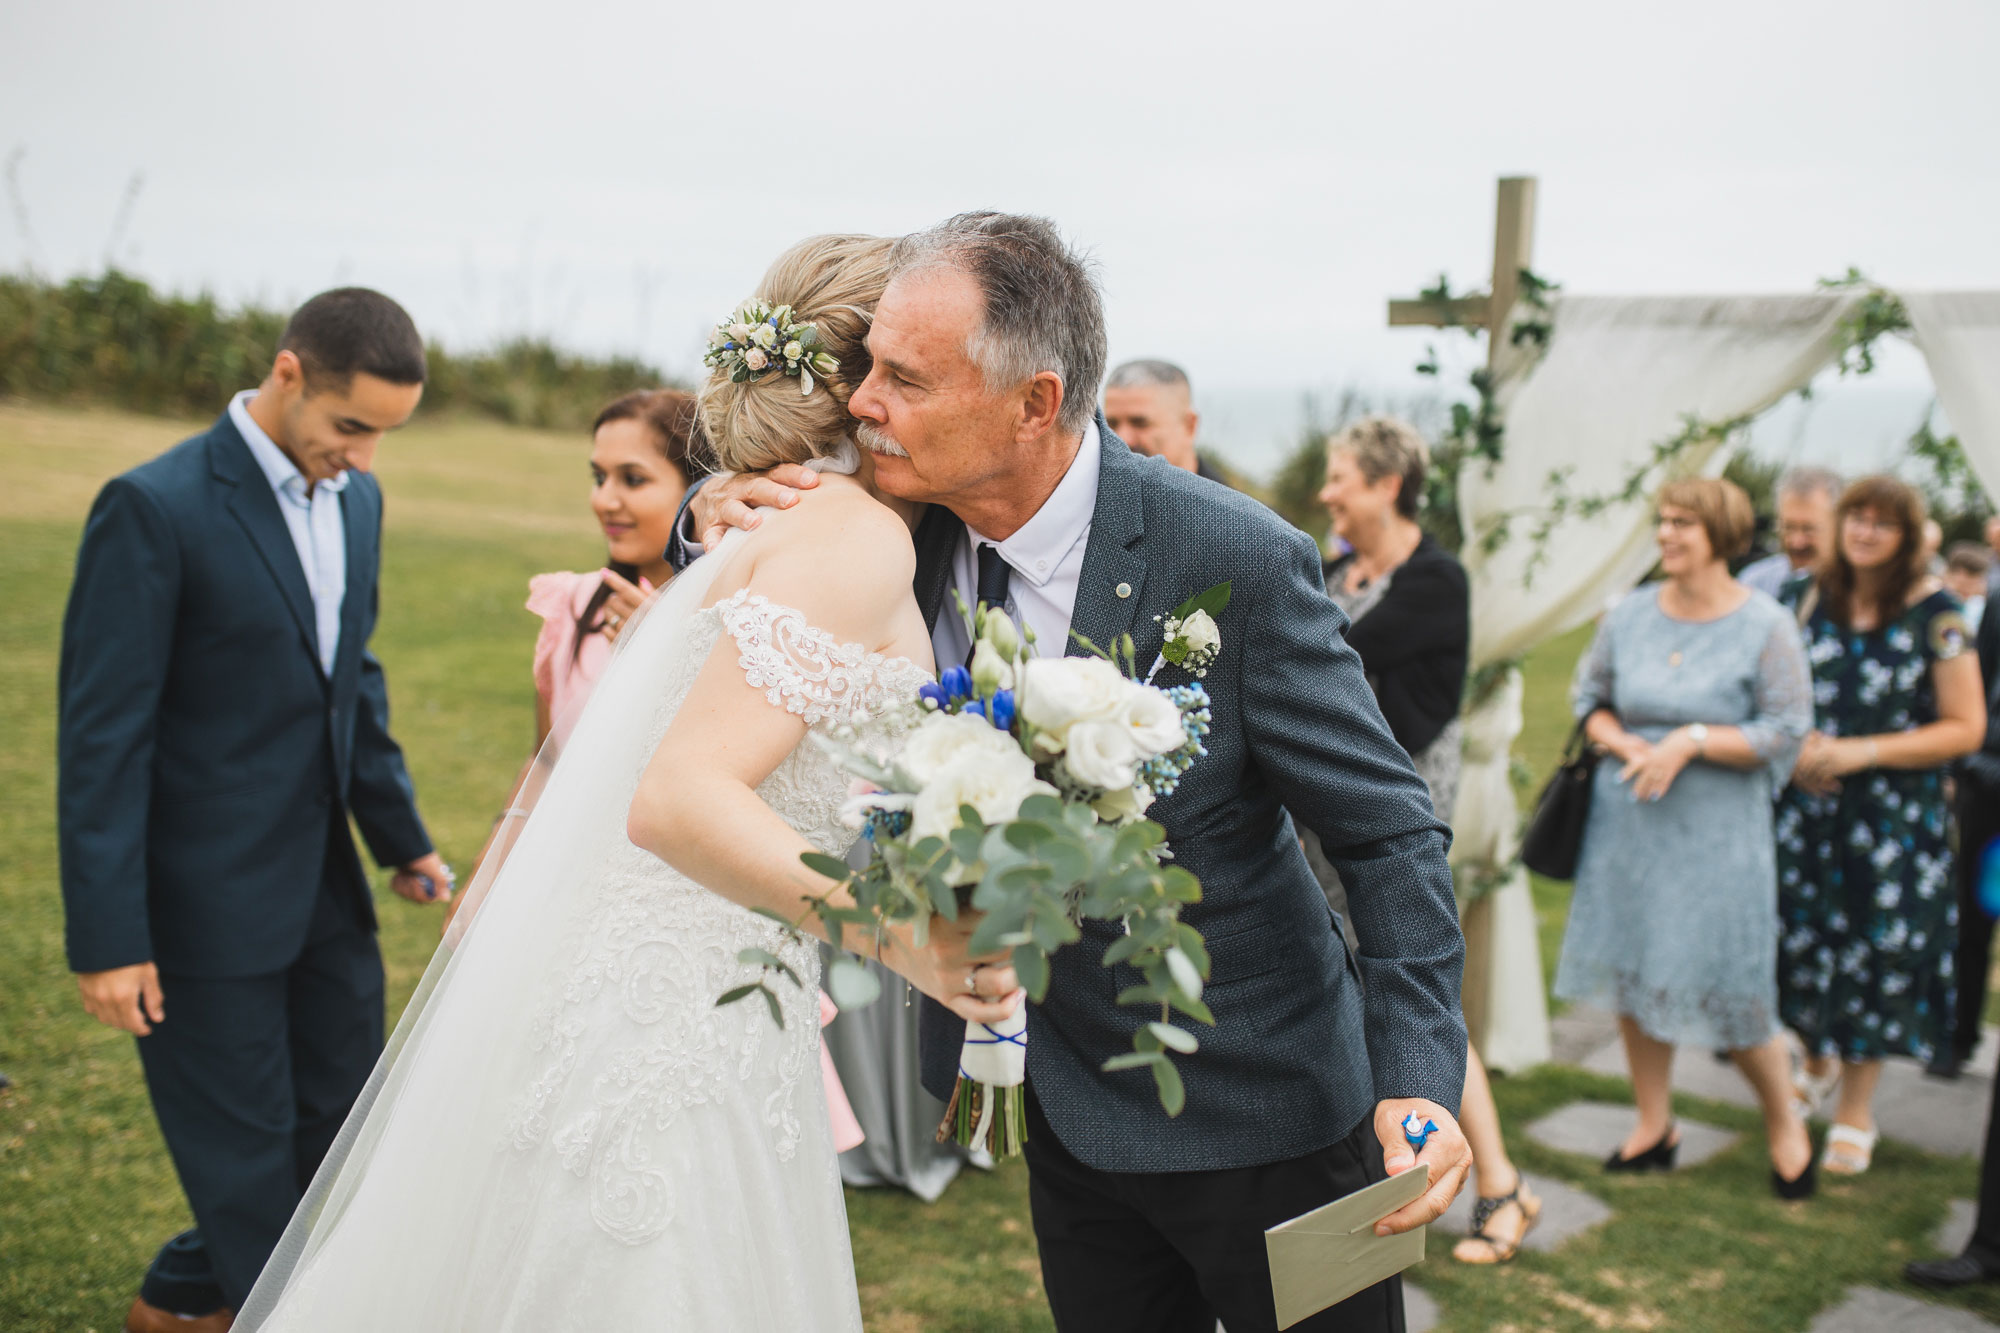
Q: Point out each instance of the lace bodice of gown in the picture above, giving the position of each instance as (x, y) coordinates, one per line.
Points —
(629, 1034)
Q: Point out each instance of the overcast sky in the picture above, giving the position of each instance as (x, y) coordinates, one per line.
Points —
(1256, 180)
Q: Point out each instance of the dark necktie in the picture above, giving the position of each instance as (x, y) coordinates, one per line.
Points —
(994, 573)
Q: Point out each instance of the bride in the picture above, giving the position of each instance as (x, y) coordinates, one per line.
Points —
(567, 1131)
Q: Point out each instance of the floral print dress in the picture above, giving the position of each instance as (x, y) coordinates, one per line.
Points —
(1868, 914)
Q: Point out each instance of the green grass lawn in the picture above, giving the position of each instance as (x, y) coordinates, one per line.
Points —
(86, 1192)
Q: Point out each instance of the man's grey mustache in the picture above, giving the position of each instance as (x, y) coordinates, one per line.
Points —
(875, 442)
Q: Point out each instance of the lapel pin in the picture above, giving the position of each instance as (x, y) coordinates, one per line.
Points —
(1124, 590)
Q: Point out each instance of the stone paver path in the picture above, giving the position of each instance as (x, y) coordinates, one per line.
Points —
(1420, 1312)
(1566, 1211)
(1938, 1116)
(1593, 1129)
(1956, 1229)
(1867, 1310)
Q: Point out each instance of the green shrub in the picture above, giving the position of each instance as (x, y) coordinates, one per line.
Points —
(111, 338)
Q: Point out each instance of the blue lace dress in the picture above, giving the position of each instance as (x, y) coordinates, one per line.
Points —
(1674, 921)
(1865, 889)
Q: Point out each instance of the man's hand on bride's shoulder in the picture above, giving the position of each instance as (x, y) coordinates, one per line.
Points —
(1445, 1151)
(979, 990)
(732, 499)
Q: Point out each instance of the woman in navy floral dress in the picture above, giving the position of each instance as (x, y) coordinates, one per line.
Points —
(1868, 912)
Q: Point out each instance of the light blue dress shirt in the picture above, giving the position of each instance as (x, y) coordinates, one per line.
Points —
(313, 518)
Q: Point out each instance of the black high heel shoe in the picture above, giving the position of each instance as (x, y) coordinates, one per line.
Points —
(1659, 1157)
(1802, 1186)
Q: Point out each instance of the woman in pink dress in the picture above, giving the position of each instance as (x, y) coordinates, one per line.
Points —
(643, 448)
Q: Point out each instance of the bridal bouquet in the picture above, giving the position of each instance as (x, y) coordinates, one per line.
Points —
(1018, 790)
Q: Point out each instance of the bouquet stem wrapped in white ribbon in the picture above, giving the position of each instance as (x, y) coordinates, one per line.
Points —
(989, 1105)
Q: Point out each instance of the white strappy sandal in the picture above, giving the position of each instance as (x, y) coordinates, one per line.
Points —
(1811, 1091)
(1849, 1151)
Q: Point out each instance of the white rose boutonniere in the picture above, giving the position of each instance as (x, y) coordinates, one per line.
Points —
(1193, 639)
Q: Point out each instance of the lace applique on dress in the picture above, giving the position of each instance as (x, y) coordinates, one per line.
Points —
(807, 671)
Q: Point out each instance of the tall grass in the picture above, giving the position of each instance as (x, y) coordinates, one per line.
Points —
(111, 339)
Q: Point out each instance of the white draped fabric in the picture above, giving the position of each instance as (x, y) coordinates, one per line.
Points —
(1959, 335)
(1621, 376)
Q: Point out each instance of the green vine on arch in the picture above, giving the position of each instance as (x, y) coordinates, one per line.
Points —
(1478, 432)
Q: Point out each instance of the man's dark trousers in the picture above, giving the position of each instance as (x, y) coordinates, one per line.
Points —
(1173, 1251)
(251, 1078)
(1978, 824)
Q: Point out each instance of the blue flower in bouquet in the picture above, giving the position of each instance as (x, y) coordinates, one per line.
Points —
(1000, 710)
(956, 683)
(934, 695)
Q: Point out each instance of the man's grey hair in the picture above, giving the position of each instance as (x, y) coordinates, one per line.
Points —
(1149, 374)
(1044, 311)
(1798, 482)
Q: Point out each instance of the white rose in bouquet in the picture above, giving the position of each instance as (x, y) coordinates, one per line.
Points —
(994, 785)
(942, 739)
(1100, 754)
(1152, 722)
(1200, 633)
(1058, 692)
(1122, 806)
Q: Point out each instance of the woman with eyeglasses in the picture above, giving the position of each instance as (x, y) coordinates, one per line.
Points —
(1697, 693)
(1865, 893)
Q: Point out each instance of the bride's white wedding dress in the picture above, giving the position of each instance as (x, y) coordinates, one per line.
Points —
(566, 1132)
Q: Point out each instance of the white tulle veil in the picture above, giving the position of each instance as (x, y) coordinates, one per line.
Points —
(505, 931)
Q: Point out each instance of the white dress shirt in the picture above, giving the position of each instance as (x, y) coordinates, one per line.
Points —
(1046, 557)
(313, 517)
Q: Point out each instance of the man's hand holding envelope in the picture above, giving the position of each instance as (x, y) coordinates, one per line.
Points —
(1445, 1151)
(1332, 1252)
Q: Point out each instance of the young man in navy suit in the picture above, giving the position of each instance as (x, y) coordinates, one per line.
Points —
(221, 720)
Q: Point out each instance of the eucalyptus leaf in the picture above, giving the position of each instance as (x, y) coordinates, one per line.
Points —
(777, 1013)
(1195, 1009)
(1186, 979)
(1134, 1060)
(1173, 1093)
(736, 993)
(1178, 1039)
(765, 958)
(1031, 965)
(832, 867)
(1043, 809)
(1121, 949)
(1193, 946)
(852, 983)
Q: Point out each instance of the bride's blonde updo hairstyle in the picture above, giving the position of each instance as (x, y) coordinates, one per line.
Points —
(832, 283)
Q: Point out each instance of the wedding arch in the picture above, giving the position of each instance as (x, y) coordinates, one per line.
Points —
(1586, 405)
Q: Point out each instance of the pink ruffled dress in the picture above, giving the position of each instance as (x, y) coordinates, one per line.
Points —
(565, 672)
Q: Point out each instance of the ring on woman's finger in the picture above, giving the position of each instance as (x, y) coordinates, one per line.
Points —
(614, 620)
(972, 982)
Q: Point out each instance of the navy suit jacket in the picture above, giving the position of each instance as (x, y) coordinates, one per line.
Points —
(205, 757)
(1307, 1037)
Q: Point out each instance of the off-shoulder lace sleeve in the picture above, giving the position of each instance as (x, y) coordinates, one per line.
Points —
(1784, 702)
(805, 670)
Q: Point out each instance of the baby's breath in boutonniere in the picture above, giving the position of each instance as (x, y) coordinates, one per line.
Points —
(1193, 638)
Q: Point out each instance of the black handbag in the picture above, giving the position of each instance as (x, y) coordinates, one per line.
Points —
(1555, 834)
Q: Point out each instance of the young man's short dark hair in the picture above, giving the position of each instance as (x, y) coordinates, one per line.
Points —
(353, 331)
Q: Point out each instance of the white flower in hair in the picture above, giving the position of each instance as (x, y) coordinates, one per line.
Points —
(757, 338)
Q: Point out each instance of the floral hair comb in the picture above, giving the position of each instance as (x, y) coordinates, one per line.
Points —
(759, 338)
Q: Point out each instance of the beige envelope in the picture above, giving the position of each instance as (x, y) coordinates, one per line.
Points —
(1328, 1254)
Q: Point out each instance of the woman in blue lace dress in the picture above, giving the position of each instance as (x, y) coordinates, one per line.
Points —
(1869, 912)
(1696, 690)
